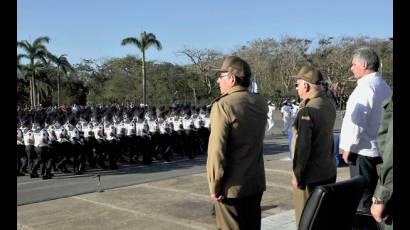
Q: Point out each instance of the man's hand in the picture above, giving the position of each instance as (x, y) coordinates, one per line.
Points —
(377, 211)
(345, 156)
(216, 199)
(294, 182)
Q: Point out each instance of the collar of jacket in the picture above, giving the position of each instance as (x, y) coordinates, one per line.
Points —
(232, 90)
(311, 95)
(235, 89)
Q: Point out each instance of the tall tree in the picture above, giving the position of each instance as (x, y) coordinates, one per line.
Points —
(143, 43)
(34, 51)
(62, 64)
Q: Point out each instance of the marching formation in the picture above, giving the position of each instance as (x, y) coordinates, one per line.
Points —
(57, 139)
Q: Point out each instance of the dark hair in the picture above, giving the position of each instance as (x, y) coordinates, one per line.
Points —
(243, 81)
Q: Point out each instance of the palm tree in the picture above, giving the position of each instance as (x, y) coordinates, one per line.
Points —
(143, 43)
(44, 84)
(62, 64)
(34, 51)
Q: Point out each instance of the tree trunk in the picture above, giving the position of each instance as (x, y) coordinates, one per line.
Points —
(58, 86)
(34, 90)
(31, 94)
(194, 92)
(143, 79)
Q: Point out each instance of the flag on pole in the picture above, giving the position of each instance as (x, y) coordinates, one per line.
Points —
(254, 85)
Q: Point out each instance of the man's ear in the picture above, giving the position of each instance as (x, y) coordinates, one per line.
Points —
(307, 87)
(365, 65)
(232, 80)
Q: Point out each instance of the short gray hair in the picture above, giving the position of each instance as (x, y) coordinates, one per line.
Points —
(368, 55)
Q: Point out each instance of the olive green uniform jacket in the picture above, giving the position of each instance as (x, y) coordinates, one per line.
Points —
(312, 142)
(384, 188)
(235, 165)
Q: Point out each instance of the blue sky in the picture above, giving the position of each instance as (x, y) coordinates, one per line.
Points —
(94, 29)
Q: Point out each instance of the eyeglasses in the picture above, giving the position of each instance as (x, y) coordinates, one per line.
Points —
(224, 74)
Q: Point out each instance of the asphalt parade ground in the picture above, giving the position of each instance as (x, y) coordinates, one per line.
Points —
(170, 195)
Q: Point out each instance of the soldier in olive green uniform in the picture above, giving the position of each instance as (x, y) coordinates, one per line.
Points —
(313, 160)
(235, 167)
(382, 207)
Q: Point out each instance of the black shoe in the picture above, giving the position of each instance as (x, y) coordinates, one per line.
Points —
(50, 174)
(24, 171)
(102, 165)
(20, 174)
(66, 171)
(60, 168)
(46, 177)
(113, 167)
(34, 175)
(78, 173)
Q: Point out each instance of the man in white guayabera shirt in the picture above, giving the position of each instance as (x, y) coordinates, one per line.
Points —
(358, 138)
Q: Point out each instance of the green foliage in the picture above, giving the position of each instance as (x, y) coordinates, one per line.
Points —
(120, 79)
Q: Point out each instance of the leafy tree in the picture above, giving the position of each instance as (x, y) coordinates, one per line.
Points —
(143, 43)
(204, 61)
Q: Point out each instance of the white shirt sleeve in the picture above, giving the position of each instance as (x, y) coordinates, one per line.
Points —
(359, 105)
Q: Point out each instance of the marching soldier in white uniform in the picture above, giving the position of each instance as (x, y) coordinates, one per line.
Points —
(271, 122)
(64, 145)
(41, 147)
(21, 153)
(131, 138)
(77, 147)
(112, 139)
(28, 135)
(286, 111)
(142, 136)
(89, 141)
(101, 142)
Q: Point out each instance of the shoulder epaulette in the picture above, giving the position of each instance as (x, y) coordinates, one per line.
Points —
(218, 98)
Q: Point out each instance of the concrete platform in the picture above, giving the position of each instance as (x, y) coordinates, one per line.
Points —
(178, 203)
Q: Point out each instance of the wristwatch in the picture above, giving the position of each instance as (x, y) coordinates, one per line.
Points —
(377, 200)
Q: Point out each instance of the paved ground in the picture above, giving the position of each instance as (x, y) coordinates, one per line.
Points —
(166, 196)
